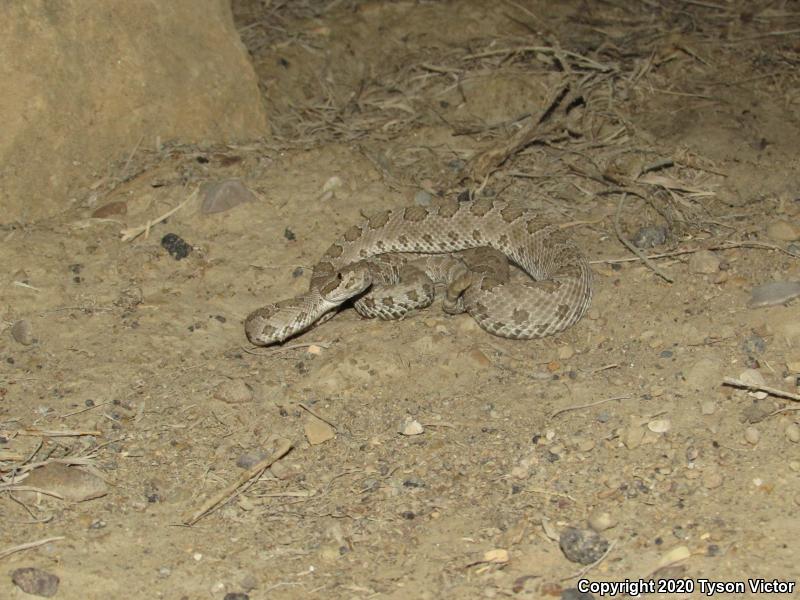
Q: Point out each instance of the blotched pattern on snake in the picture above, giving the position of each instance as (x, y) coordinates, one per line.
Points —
(390, 262)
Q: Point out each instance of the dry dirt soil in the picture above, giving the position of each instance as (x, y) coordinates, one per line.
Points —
(446, 463)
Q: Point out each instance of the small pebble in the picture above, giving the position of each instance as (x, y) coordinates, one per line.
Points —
(712, 479)
(566, 352)
(752, 377)
(36, 582)
(793, 433)
(600, 520)
(110, 209)
(708, 407)
(650, 236)
(219, 196)
(22, 332)
(233, 391)
(411, 427)
(422, 198)
(575, 594)
(318, 431)
(176, 246)
(70, 483)
(248, 459)
(236, 596)
(752, 435)
(757, 411)
(582, 546)
(704, 262)
(773, 293)
(633, 436)
(659, 425)
(783, 231)
(754, 344)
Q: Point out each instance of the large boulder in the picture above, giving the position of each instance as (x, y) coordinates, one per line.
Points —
(84, 82)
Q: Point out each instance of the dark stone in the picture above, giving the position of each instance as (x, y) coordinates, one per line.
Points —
(35, 581)
(176, 246)
(582, 546)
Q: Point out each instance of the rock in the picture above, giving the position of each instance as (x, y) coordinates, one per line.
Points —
(219, 196)
(318, 431)
(582, 546)
(650, 236)
(110, 210)
(422, 198)
(496, 555)
(773, 293)
(783, 231)
(793, 433)
(704, 262)
(582, 444)
(566, 352)
(233, 391)
(576, 594)
(633, 436)
(22, 332)
(712, 479)
(659, 425)
(752, 377)
(752, 435)
(176, 246)
(193, 80)
(411, 427)
(757, 411)
(600, 520)
(70, 483)
(250, 459)
(704, 374)
(754, 344)
(36, 582)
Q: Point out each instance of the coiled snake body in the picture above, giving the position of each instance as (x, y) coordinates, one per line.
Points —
(371, 263)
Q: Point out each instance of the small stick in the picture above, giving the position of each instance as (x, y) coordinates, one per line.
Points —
(633, 248)
(591, 404)
(312, 413)
(134, 232)
(82, 410)
(761, 388)
(28, 546)
(277, 348)
(232, 490)
(64, 433)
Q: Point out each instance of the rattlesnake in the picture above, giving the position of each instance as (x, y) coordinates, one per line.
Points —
(556, 296)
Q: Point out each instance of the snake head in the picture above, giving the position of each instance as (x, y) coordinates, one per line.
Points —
(346, 284)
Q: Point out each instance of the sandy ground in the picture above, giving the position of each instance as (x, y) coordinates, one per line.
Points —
(133, 367)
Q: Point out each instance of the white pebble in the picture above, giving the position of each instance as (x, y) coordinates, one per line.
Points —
(752, 435)
(601, 520)
(411, 427)
(21, 331)
(659, 425)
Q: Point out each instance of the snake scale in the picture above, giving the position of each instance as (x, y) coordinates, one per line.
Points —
(391, 261)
